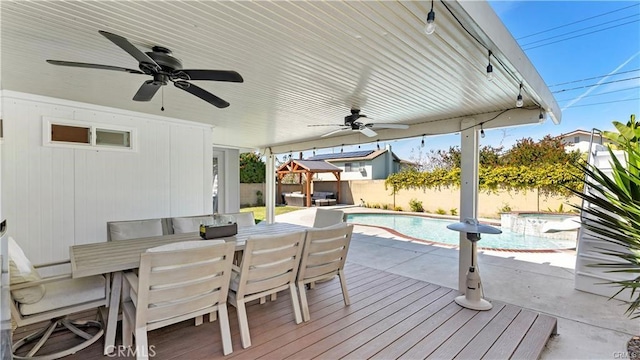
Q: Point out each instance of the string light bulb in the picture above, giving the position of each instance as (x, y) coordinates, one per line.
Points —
(342, 148)
(519, 101)
(378, 144)
(481, 131)
(489, 69)
(314, 151)
(422, 142)
(541, 116)
(431, 24)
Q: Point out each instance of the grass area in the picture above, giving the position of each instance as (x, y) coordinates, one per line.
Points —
(259, 212)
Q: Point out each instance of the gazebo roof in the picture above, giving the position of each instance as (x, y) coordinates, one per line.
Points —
(314, 166)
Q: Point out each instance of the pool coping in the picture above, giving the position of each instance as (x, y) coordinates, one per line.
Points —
(445, 217)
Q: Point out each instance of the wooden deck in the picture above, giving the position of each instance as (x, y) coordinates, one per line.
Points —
(390, 317)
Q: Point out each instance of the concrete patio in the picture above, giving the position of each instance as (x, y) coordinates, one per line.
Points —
(589, 326)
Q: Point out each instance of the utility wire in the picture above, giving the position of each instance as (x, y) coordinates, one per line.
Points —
(602, 83)
(602, 103)
(578, 30)
(577, 36)
(604, 93)
(593, 78)
(576, 22)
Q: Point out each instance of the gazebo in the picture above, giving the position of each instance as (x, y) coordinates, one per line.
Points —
(308, 168)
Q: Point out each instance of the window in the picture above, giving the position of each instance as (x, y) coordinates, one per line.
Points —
(347, 167)
(576, 139)
(72, 134)
(109, 137)
(76, 134)
(354, 167)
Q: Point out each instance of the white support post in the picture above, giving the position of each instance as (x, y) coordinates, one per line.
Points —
(270, 183)
(469, 163)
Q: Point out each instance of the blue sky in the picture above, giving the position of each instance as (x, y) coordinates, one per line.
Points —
(612, 47)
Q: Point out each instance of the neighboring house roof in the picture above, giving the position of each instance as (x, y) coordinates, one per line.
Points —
(578, 132)
(353, 156)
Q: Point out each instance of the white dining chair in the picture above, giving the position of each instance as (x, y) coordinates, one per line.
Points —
(189, 224)
(324, 255)
(243, 219)
(177, 282)
(269, 264)
(327, 217)
(133, 229)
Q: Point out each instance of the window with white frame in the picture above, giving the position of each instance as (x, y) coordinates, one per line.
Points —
(77, 134)
(354, 167)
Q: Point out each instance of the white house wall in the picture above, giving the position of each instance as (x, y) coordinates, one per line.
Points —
(55, 197)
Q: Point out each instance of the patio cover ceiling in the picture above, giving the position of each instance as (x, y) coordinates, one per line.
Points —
(304, 63)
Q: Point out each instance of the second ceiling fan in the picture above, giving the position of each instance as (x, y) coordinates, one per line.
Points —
(358, 122)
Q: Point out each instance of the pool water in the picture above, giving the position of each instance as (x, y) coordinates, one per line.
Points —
(432, 229)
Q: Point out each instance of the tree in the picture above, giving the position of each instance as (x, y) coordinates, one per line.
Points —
(549, 150)
(252, 168)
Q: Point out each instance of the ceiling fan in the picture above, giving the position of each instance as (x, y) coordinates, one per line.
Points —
(353, 123)
(160, 63)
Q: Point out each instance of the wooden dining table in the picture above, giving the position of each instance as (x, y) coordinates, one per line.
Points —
(114, 257)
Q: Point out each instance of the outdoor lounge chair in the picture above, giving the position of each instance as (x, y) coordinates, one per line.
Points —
(177, 282)
(35, 299)
(269, 264)
(324, 256)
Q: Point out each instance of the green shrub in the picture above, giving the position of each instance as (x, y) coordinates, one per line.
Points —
(416, 205)
(386, 206)
(441, 211)
(397, 208)
(259, 198)
(560, 209)
(505, 208)
(453, 211)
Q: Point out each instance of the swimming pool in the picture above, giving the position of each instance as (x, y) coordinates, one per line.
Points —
(431, 229)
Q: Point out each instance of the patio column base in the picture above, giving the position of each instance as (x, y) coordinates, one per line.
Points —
(474, 304)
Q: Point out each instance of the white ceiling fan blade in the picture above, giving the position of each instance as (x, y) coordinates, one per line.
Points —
(388, 126)
(365, 130)
(335, 131)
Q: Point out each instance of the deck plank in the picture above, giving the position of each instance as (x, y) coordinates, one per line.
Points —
(480, 344)
(359, 308)
(390, 316)
(384, 330)
(432, 341)
(532, 345)
(330, 339)
(452, 346)
(508, 341)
